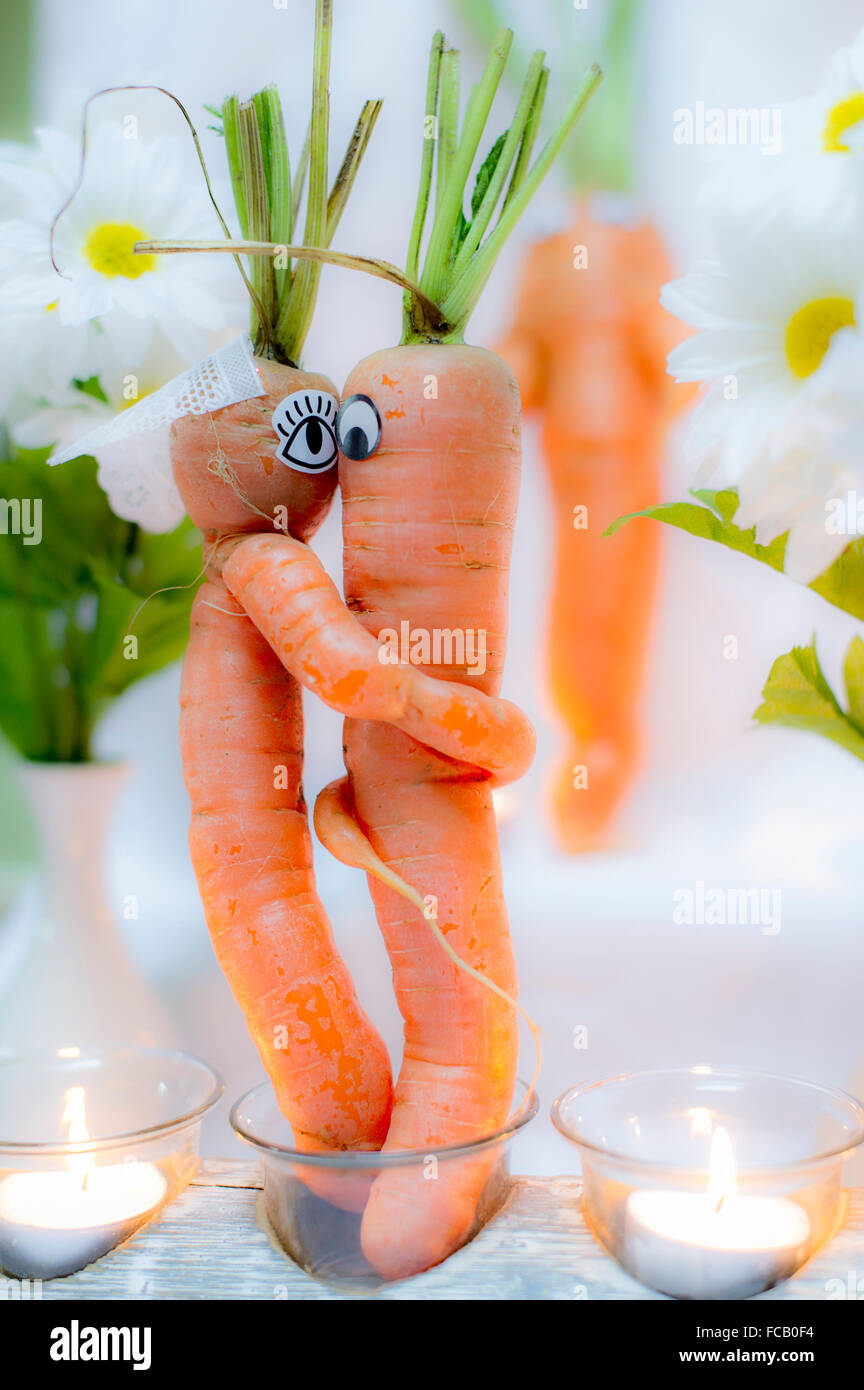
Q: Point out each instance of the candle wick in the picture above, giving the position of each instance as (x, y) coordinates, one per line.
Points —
(720, 1203)
(86, 1180)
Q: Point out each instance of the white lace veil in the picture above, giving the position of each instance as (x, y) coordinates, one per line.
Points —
(134, 449)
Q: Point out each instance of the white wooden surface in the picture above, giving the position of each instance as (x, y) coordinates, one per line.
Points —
(209, 1243)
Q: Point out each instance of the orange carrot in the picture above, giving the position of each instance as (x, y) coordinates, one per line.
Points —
(588, 345)
(262, 464)
(242, 745)
(427, 523)
(456, 489)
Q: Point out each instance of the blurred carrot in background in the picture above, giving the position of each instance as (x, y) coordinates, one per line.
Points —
(588, 345)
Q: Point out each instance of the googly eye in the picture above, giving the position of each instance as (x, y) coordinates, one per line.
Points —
(358, 427)
(306, 422)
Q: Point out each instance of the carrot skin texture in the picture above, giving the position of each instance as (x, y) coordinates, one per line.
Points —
(427, 529)
(588, 346)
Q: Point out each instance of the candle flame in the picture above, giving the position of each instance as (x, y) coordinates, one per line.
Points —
(74, 1117)
(721, 1178)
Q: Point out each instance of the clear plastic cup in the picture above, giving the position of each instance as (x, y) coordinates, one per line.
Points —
(713, 1182)
(322, 1206)
(92, 1145)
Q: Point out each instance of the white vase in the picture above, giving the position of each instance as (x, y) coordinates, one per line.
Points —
(66, 977)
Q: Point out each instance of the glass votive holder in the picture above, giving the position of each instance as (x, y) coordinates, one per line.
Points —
(92, 1145)
(359, 1220)
(714, 1182)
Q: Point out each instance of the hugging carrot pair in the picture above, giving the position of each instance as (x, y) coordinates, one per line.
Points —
(429, 471)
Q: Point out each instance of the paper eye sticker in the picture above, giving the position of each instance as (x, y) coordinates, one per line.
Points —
(306, 421)
(358, 427)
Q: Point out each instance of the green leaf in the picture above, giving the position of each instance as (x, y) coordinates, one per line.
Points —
(481, 183)
(842, 584)
(853, 678)
(798, 696)
(485, 173)
(91, 387)
(711, 522)
(68, 602)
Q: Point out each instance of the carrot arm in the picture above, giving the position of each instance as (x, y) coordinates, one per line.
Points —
(295, 605)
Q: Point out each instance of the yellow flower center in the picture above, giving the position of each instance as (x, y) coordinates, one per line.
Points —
(845, 114)
(108, 248)
(810, 330)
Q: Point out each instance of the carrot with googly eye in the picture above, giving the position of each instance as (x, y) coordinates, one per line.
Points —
(264, 465)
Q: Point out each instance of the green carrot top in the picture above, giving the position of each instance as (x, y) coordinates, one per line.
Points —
(602, 160)
(460, 250)
(268, 200)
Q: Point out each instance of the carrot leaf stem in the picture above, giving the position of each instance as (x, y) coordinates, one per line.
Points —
(436, 267)
(459, 303)
(277, 171)
(231, 131)
(344, 180)
(300, 178)
(480, 221)
(529, 135)
(461, 250)
(448, 118)
(258, 210)
(295, 317)
(430, 135)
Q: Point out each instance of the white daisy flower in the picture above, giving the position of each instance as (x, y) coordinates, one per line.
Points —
(67, 414)
(107, 304)
(781, 353)
(817, 165)
(60, 419)
(813, 464)
(37, 355)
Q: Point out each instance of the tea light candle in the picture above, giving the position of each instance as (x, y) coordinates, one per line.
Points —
(715, 1244)
(54, 1221)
